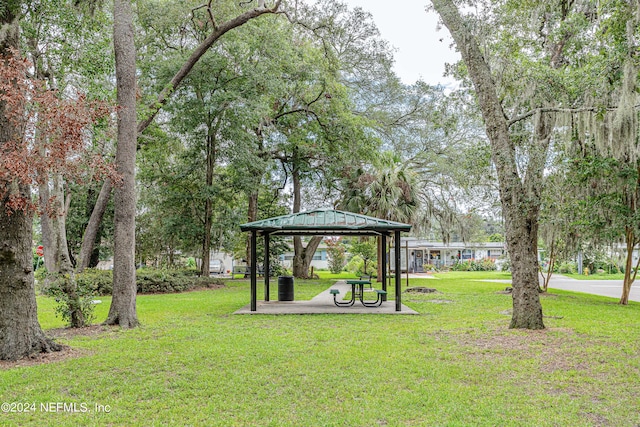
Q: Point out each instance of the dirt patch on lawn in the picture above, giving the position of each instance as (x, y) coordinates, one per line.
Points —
(555, 349)
(66, 352)
(44, 358)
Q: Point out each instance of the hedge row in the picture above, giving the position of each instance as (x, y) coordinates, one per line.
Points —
(149, 281)
(475, 265)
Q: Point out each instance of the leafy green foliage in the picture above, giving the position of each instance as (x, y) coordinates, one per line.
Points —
(496, 237)
(93, 282)
(366, 250)
(475, 265)
(337, 255)
(152, 281)
(66, 305)
(567, 267)
(356, 266)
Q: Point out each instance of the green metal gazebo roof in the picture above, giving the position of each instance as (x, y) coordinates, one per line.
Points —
(325, 222)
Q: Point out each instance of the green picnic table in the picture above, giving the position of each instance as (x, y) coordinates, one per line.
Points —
(357, 291)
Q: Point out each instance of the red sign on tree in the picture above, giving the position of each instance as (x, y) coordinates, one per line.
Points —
(40, 250)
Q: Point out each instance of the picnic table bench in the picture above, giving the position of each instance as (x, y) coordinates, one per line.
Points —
(357, 291)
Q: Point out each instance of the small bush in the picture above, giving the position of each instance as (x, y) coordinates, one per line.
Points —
(67, 306)
(567, 268)
(356, 266)
(337, 255)
(429, 267)
(277, 269)
(505, 263)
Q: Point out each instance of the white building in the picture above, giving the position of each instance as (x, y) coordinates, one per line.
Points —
(320, 260)
(422, 253)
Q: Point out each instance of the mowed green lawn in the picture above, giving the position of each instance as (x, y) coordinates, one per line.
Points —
(194, 363)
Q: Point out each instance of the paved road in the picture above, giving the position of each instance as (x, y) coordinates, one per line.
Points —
(608, 288)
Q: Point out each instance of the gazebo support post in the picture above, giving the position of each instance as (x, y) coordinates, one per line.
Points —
(254, 270)
(383, 238)
(398, 271)
(267, 273)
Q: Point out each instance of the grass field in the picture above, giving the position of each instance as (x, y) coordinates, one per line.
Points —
(194, 363)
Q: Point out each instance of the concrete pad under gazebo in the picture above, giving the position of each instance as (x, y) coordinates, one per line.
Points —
(323, 222)
(323, 304)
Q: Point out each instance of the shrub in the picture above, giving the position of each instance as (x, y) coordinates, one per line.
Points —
(337, 257)
(488, 264)
(567, 267)
(461, 266)
(367, 251)
(277, 269)
(150, 281)
(100, 282)
(66, 306)
(475, 265)
(356, 266)
(429, 267)
(505, 263)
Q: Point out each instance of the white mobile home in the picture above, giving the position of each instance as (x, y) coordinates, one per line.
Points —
(423, 254)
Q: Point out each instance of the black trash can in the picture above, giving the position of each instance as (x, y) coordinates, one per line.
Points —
(285, 288)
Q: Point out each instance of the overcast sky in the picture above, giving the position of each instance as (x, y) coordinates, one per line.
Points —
(412, 30)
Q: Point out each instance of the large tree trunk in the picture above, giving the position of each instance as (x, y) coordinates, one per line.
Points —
(299, 266)
(57, 257)
(522, 244)
(629, 272)
(519, 213)
(46, 226)
(208, 205)
(206, 239)
(20, 332)
(90, 238)
(302, 256)
(306, 253)
(546, 278)
(123, 304)
(63, 262)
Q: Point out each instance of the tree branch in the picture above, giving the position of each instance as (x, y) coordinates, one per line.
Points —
(197, 53)
(557, 110)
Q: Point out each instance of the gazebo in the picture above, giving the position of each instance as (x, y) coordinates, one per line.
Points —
(323, 222)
